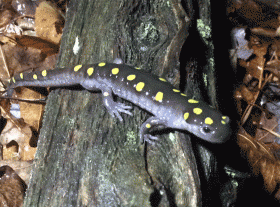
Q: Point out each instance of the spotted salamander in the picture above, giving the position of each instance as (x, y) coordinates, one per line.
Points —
(170, 107)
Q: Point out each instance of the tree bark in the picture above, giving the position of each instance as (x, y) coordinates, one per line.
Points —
(87, 158)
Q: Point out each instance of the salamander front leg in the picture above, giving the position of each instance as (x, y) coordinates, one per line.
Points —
(148, 126)
(114, 107)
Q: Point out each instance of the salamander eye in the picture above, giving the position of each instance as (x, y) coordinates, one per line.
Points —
(206, 129)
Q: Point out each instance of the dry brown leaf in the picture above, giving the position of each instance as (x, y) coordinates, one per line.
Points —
(262, 159)
(22, 168)
(31, 112)
(6, 17)
(12, 187)
(18, 59)
(46, 47)
(21, 135)
(268, 170)
(49, 22)
(10, 151)
(15, 59)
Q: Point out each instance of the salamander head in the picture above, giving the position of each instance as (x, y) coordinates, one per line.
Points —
(206, 122)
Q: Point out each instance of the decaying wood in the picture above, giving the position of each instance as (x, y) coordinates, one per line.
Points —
(87, 158)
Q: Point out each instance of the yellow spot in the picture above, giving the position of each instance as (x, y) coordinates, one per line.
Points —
(35, 76)
(148, 126)
(105, 94)
(77, 67)
(183, 94)
(159, 96)
(21, 75)
(176, 90)
(224, 117)
(9, 80)
(14, 80)
(131, 77)
(101, 64)
(138, 68)
(162, 79)
(90, 71)
(186, 115)
(44, 73)
(140, 86)
(115, 71)
(192, 101)
(209, 121)
(197, 111)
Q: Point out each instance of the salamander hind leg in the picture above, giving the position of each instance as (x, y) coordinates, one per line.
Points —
(148, 126)
(113, 107)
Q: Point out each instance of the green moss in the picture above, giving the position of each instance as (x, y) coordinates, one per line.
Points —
(203, 29)
(131, 138)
